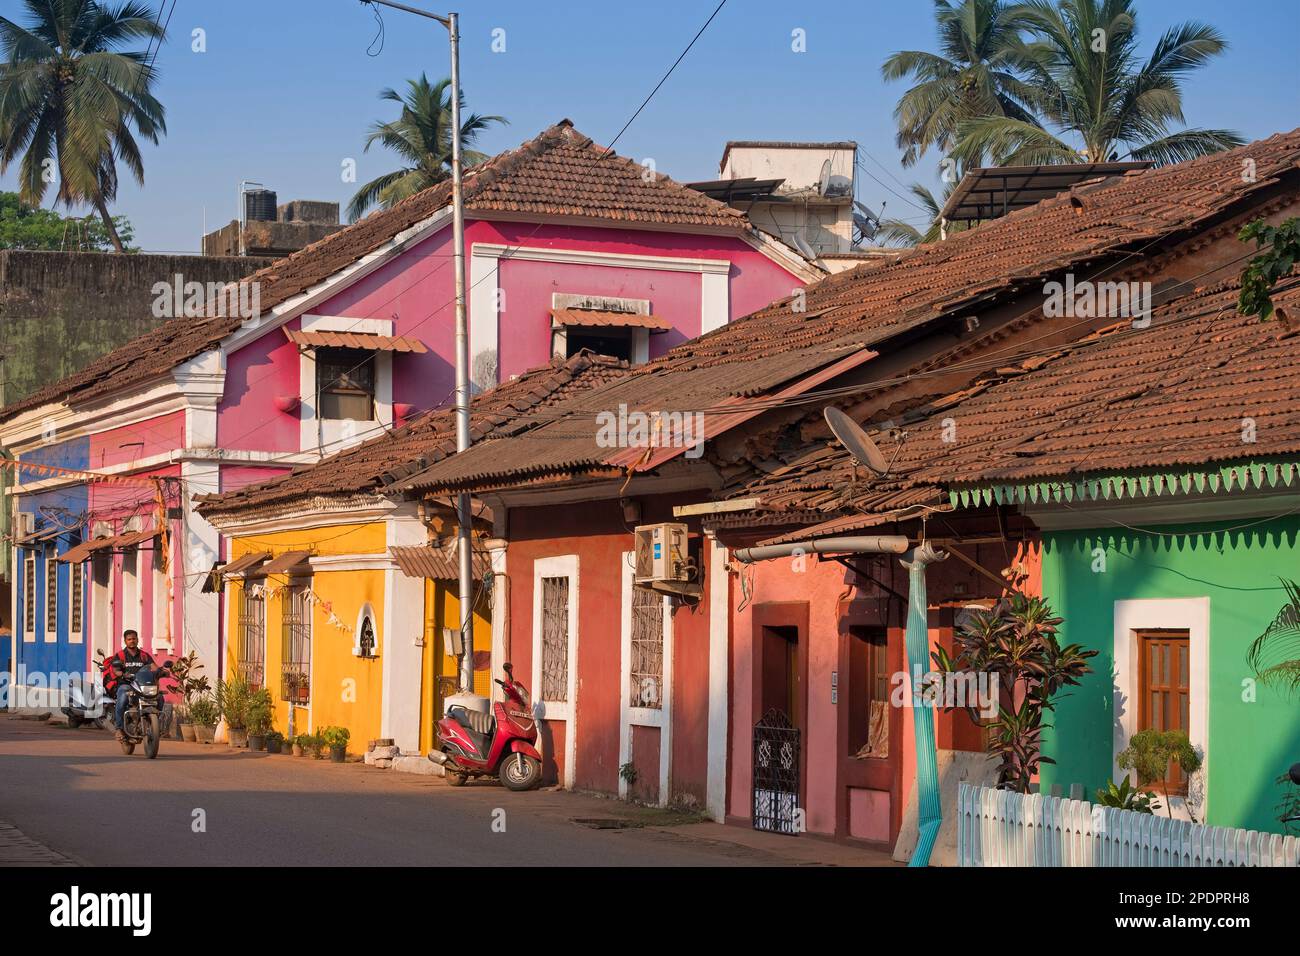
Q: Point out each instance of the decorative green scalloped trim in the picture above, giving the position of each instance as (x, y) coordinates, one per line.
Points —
(1242, 476)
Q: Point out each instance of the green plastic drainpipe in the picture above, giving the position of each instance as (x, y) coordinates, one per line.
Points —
(929, 809)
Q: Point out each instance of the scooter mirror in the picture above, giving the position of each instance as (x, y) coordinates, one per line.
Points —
(508, 668)
(1295, 774)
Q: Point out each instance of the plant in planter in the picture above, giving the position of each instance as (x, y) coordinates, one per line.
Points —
(233, 698)
(1150, 752)
(1015, 642)
(258, 719)
(203, 715)
(336, 739)
(274, 741)
(1127, 797)
(302, 745)
(191, 685)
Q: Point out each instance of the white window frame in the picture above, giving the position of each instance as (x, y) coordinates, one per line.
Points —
(629, 716)
(367, 610)
(51, 606)
(562, 566)
(161, 635)
(76, 589)
(1193, 616)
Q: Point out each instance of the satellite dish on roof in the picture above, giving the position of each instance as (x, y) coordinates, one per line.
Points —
(802, 245)
(855, 440)
(824, 180)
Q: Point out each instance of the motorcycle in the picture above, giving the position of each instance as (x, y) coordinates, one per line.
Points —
(475, 743)
(88, 702)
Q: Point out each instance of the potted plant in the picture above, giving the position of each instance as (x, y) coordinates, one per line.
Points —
(191, 685)
(301, 745)
(257, 719)
(203, 715)
(317, 749)
(233, 698)
(336, 739)
(274, 740)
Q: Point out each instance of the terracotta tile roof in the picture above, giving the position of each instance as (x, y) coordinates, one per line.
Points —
(560, 173)
(1176, 394)
(841, 315)
(425, 439)
(356, 340)
(595, 318)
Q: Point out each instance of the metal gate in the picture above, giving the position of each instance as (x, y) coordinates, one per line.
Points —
(776, 774)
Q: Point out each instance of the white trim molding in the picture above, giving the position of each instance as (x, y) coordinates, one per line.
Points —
(1192, 615)
(562, 566)
(629, 716)
(719, 646)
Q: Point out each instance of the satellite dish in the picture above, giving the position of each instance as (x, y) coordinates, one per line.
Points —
(855, 440)
(865, 210)
(824, 180)
(801, 244)
(867, 227)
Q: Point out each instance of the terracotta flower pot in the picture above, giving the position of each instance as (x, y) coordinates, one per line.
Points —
(204, 733)
(188, 732)
(297, 750)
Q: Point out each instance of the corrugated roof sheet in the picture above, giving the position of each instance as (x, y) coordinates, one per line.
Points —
(427, 438)
(440, 564)
(288, 563)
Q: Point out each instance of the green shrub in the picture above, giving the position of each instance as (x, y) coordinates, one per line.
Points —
(258, 713)
(203, 711)
(233, 698)
(335, 736)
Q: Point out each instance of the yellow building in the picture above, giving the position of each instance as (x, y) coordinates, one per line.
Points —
(341, 610)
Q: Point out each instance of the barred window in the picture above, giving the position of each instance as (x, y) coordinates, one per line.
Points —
(647, 671)
(29, 597)
(295, 645)
(75, 597)
(51, 592)
(252, 637)
(555, 639)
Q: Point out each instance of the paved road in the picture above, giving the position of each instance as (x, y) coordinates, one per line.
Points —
(65, 788)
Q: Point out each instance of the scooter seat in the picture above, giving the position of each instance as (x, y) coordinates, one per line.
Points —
(475, 720)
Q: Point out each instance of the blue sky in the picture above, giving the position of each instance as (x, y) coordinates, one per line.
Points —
(286, 91)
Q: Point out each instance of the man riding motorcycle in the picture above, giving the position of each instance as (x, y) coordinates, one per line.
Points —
(127, 664)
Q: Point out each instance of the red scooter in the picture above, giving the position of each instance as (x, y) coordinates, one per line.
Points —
(476, 744)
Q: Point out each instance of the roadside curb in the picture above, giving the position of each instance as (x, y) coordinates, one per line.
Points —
(18, 849)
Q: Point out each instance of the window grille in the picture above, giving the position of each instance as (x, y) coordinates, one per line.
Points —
(555, 639)
(51, 591)
(75, 598)
(647, 670)
(295, 645)
(29, 596)
(252, 637)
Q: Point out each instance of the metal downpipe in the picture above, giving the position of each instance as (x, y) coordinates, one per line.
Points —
(929, 808)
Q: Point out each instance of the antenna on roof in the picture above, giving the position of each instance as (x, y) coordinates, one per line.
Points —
(850, 434)
(866, 220)
(824, 180)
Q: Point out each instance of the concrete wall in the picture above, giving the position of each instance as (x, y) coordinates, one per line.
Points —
(1254, 733)
(61, 310)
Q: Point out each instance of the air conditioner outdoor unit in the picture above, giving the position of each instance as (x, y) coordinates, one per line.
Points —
(662, 555)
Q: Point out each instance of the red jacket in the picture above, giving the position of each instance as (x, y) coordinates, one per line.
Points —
(130, 665)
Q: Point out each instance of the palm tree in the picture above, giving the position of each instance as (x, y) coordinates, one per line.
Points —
(69, 97)
(975, 73)
(1082, 55)
(422, 137)
(1274, 656)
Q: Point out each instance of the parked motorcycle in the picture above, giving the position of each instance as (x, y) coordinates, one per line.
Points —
(475, 743)
(88, 702)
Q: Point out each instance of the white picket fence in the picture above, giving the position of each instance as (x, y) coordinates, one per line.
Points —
(1001, 828)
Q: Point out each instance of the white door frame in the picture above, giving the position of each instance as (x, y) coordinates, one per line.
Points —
(630, 716)
(563, 566)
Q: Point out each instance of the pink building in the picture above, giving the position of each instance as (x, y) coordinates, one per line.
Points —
(567, 248)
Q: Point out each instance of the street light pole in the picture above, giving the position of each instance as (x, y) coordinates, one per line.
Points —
(464, 518)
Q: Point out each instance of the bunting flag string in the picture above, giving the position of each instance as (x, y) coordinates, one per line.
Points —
(314, 599)
(57, 471)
